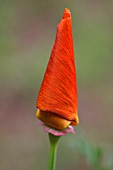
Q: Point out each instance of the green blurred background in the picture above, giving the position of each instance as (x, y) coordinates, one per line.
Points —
(27, 33)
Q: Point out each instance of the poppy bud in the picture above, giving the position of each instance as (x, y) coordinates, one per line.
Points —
(57, 101)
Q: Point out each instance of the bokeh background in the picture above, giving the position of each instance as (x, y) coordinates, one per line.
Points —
(27, 33)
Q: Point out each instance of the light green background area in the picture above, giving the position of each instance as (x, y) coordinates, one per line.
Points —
(27, 33)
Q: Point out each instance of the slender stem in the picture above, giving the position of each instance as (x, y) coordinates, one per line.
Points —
(53, 150)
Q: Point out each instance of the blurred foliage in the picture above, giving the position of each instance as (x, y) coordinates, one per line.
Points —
(94, 155)
(97, 156)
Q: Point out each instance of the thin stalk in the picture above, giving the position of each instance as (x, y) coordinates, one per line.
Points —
(53, 150)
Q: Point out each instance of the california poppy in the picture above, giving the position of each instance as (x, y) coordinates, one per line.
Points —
(57, 101)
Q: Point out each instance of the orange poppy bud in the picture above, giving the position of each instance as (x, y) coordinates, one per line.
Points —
(57, 101)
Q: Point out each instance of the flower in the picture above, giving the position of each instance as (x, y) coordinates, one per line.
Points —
(57, 101)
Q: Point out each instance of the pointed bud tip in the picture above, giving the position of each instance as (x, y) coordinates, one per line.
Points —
(67, 13)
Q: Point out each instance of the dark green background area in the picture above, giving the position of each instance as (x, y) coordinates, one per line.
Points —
(27, 33)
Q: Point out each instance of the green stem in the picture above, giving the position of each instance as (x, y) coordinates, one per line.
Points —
(53, 150)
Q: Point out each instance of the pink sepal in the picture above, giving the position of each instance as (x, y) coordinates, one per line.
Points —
(57, 132)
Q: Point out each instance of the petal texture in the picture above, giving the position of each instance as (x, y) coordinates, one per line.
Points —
(58, 92)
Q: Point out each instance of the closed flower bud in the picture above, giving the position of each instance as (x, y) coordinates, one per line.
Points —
(57, 101)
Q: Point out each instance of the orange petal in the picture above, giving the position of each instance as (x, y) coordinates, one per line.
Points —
(58, 92)
(67, 14)
(52, 120)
